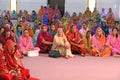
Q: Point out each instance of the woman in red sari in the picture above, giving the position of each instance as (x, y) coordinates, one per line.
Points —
(75, 41)
(4, 75)
(44, 40)
(6, 35)
(13, 63)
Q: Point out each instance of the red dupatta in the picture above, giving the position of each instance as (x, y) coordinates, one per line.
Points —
(13, 60)
(73, 37)
(14, 63)
(3, 39)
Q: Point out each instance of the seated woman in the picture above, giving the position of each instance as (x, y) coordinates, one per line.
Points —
(105, 28)
(44, 40)
(61, 44)
(1, 30)
(45, 19)
(6, 35)
(4, 75)
(37, 31)
(26, 14)
(99, 47)
(83, 30)
(33, 16)
(14, 15)
(110, 21)
(93, 29)
(87, 41)
(25, 43)
(52, 31)
(65, 19)
(118, 26)
(60, 25)
(75, 41)
(18, 32)
(28, 27)
(113, 41)
(13, 68)
(87, 13)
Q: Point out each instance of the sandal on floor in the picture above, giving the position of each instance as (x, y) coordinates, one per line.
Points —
(116, 56)
(83, 55)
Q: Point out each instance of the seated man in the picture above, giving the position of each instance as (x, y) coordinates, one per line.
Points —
(44, 40)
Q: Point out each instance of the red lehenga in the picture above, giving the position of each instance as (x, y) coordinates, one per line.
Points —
(11, 64)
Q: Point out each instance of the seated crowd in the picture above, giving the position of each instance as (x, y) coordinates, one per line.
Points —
(89, 33)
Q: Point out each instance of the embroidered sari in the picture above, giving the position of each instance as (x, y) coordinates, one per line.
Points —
(13, 62)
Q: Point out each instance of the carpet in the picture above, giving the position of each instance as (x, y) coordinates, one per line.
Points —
(31, 78)
(77, 68)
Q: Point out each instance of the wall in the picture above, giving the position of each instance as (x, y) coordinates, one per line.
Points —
(31, 4)
(119, 9)
(5, 4)
(75, 6)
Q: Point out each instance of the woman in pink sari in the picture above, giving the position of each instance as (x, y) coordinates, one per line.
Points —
(83, 30)
(113, 41)
(99, 47)
(44, 40)
(25, 43)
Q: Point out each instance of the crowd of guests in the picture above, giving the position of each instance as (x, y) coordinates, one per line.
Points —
(89, 33)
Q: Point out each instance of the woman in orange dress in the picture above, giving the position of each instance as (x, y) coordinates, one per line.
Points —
(41, 10)
(75, 41)
(110, 21)
(99, 47)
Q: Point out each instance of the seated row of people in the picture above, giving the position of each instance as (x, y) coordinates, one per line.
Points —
(96, 45)
(80, 41)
